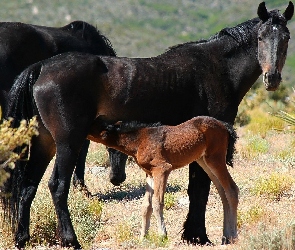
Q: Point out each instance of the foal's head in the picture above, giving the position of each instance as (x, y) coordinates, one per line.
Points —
(273, 38)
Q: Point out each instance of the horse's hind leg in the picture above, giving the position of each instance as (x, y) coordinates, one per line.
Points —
(78, 178)
(42, 151)
(59, 184)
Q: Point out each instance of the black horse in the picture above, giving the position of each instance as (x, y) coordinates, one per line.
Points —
(24, 44)
(72, 93)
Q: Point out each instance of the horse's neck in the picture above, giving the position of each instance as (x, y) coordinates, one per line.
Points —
(244, 68)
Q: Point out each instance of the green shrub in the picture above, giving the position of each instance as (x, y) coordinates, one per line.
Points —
(249, 216)
(272, 238)
(169, 200)
(254, 146)
(273, 186)
(153, 240)
(11, 138)
(124, 232)
(262, 122)
(85, 215)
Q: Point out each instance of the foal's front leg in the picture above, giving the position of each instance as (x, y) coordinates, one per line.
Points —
(147, 206)
(160, 181)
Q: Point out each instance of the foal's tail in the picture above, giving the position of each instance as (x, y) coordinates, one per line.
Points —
(21, 106)
(231, 143)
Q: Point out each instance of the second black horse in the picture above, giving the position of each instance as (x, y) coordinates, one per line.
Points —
(24, 44)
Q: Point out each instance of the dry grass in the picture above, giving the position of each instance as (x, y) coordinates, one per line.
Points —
(264, 222)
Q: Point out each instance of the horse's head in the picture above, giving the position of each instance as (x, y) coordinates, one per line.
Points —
(273, 38)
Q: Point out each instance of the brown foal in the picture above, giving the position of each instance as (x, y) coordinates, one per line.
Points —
(160, 149)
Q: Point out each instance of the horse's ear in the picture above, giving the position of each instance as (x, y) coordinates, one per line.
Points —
(262, 12)
(289, 11)
(102, 67)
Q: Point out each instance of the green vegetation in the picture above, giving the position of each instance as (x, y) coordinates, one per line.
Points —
(153, 240)
(10, 139)
(251, 215)
(254, 146)
(169, 200)
(98, 157)
(85, 214)
(273, 186)
(272, 238)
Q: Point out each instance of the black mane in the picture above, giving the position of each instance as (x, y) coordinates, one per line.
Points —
(125, 127)
(241, 33)
(89, 30)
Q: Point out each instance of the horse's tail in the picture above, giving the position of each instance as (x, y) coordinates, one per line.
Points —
(21, 106)
(231, 143)
(21, 103)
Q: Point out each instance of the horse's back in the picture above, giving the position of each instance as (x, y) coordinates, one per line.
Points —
(24, 44)
(20, 46)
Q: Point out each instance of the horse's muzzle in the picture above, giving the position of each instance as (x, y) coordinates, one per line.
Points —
(272, 80)
(117, 178)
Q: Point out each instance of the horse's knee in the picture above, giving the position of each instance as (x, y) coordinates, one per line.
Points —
(57, 189)
(53, 185)
(146, 209)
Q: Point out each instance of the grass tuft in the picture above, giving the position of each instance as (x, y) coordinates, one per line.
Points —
(274, 186)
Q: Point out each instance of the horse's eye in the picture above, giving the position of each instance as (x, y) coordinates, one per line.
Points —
(259, 38)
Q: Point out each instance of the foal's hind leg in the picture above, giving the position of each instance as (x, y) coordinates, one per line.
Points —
(216, 169)
(42, 151)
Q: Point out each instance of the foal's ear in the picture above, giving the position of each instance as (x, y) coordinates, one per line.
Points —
(262, 12)
(289, 11)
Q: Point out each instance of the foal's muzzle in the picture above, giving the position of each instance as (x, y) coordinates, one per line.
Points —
(272, 80)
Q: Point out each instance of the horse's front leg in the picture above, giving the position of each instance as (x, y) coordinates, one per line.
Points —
(59, 185)
(147, 206)
(27, 195)
(160, 182)
(194, 230)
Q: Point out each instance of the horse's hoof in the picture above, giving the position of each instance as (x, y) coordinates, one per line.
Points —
(20, 241)
(75, 244)
(228, 240)
(200, 241)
